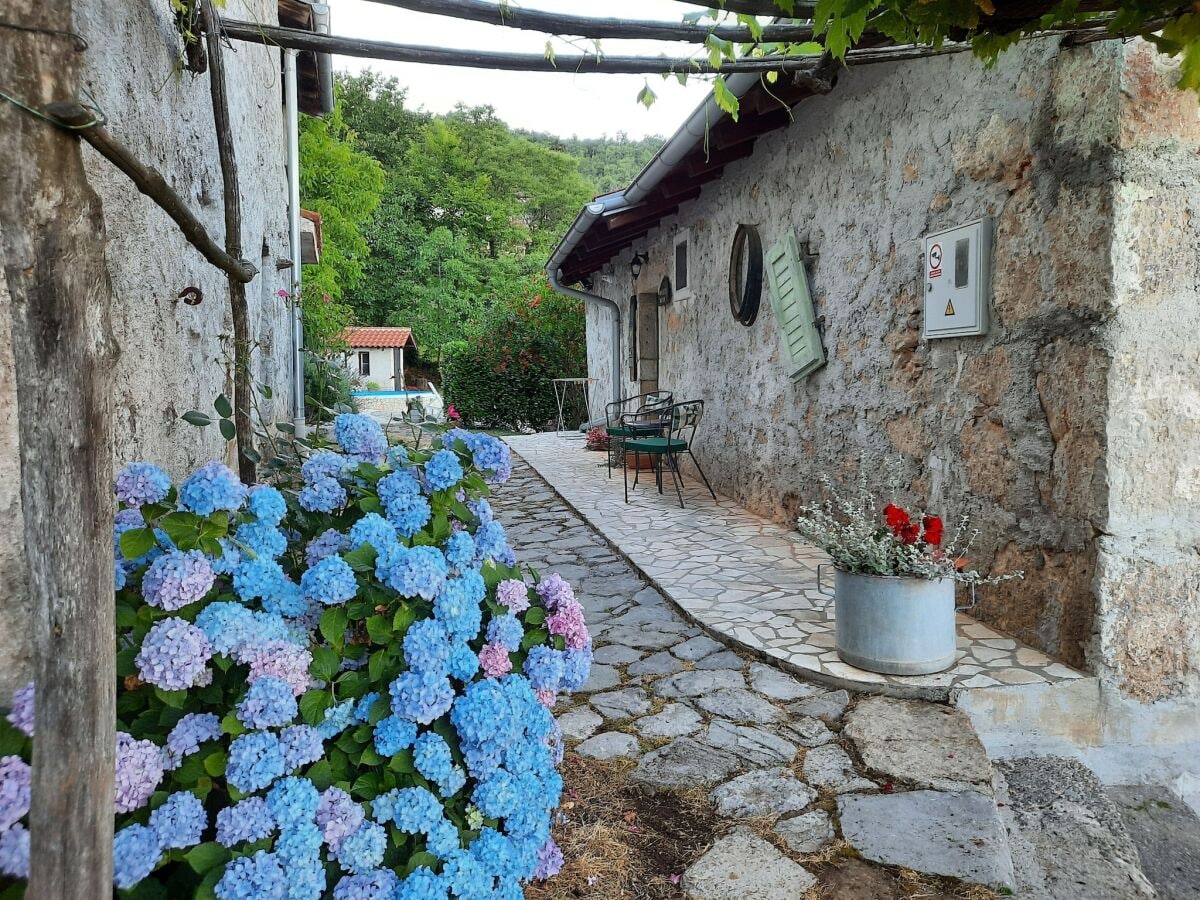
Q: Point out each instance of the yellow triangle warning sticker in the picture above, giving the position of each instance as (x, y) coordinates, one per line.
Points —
(949, 307)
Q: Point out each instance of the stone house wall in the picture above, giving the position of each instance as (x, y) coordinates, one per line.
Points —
(1040, 430)
(171, 354)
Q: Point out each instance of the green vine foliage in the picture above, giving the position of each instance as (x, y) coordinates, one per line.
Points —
(500, 377)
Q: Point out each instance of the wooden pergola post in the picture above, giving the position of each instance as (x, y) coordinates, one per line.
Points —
(52, 248)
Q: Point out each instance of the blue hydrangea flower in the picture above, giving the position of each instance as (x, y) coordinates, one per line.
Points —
(293, 801)
(363, 850)
(496, 796)
(228, 625)
(323, 495)
(544, 668)
(331, 581)
(375, 530)
(244, 822)
(466, 878)
(421, 698)
(443, 839)
(457, 606)
(136, 852)
(495, 854)
(577, 666)
(337, 719)
(397, 485)
(14, 851)
(397, 456)
(287, 600)
(180, 821)
(431, 755)
(491, 455)
(252, 878)
(302, 745)
(463, 662)
(189, 733)
(139, 484)
(176, 579)
(119, 574)
(263, 538)
(325, 464)
(306, 880)
(393, 734)
(482, 510)
(267, 504)
(255, 760)
(427, 647)
(506, 630)
(375, 884)
(422, 884)
(230, 558)
(174, 655)
(460, 550)
(326, 544)
(443, 471)
(413, 572)
(414, 810)
(408, 514)
(211, 487)
(258, 578)
(360, 436)
(362, 709)
(269, 703)
(489, 541)
(299, 843)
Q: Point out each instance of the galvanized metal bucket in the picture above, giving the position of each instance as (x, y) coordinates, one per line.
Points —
(893, 625)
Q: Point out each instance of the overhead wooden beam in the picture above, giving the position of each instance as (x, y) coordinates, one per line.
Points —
(297, 39)
(799, 10)
(702, 165)
(598, 28)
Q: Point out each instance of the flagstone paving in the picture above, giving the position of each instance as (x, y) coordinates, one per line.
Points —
(748, 581)
(769, 749)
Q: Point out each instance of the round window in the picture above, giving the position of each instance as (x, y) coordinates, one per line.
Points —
(745, 274)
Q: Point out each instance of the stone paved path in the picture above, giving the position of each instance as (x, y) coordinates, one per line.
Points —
(754, 582)
(782, 759)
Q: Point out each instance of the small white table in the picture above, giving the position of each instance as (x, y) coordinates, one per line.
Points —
(562, 387)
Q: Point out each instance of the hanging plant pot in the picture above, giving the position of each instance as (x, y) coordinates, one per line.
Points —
(894, 625)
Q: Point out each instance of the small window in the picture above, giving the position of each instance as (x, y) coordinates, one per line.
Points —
(364, 362)
(682, 279)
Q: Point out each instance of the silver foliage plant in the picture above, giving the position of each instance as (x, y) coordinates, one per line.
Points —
(850, 527)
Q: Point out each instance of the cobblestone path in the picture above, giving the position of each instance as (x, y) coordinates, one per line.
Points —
(780, 760)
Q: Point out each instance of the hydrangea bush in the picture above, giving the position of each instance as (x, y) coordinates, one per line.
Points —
(335, 686)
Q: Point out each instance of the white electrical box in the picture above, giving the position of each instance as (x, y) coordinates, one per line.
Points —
(957, 270)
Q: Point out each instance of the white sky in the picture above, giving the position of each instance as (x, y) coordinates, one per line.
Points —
(562, 104)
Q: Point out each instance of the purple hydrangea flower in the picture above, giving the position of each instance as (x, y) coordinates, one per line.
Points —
(21, 714)
(494, 661)
(211, 487)
(568, 622)
(176, 579)
(302, 745)
(325, 544)
(174, 655)
(549, 860)
(188, 734)
(553, 589)
(244, 822)
(16, 779)
(375, 884)
(14, 852)
(139, 771)
(281, 659)
(513, 594)
(139, 484)
(338, 816)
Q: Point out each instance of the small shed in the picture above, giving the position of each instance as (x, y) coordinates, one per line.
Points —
(376, 355)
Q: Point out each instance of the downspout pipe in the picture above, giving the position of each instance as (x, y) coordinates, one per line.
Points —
(322, 25)
(583, 222)
(292, 125)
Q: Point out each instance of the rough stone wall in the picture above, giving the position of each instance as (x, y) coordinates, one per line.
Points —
(1149, 564)
(1009, 428)
(171, 354)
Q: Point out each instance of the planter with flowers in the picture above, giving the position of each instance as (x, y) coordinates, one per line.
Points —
(894, 581)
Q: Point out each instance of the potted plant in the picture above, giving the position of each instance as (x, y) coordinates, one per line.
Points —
(894, 580)
(597, 439)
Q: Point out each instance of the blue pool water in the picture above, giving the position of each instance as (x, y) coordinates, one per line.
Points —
(406, 394)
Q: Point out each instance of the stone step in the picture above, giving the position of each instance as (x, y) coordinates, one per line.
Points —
(1167, 835)
(1067, 838)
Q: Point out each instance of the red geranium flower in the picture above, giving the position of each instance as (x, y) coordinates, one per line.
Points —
(908, 532)
(896, 517)
(933, 530)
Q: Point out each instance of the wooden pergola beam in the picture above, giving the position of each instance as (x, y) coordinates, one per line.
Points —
(800, 10)
(598, 28)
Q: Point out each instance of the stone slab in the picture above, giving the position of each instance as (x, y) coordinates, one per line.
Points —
(616, 655)
(749, 744)
(697, 648)
(829, 768)
(742, 866)
(1167, 835)
(959, 834)
(778, 685)
(726, 659)
(739, 705)
(660, 663)
(766, 792)
(674, 720)
(829, 705)
(601, 678)
(622, 704)
(579, 724)
(806, 833)
(697, 684)
(925, 744)
(685, 763)
(609, 745)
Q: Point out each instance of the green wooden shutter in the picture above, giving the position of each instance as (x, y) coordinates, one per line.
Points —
(793, 306)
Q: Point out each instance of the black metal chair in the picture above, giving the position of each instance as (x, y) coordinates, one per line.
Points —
(681, 421)
(627, 418)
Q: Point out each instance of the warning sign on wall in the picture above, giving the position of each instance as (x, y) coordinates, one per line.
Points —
(935, 261)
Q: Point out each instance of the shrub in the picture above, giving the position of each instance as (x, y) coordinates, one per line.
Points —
(339, 683)
(501, 377)
(328, 388)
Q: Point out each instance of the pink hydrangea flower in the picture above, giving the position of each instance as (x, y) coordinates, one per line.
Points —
(494, 661)
(568, 622)
(546, 698)
(280, 659)
(513, 594)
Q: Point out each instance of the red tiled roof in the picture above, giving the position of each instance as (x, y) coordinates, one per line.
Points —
(380, 338)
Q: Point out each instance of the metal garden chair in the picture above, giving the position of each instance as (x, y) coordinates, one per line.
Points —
(681, 421)
(629, 418)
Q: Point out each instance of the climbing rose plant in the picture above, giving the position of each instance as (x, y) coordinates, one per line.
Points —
(339, 685)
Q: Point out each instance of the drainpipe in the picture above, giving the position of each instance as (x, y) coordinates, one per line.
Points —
(292, 113)
(583, 222)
